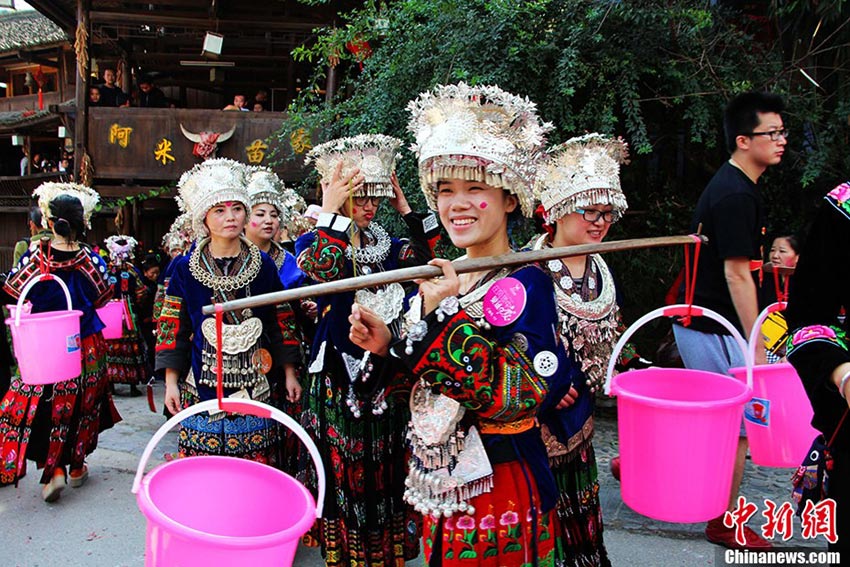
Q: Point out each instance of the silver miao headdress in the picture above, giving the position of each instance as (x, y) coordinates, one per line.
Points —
(180, 235)
(121, 247)
(479, 133)
(209, 183)
(264, 186)
(581, 172)
(46, 192)
(374, 154)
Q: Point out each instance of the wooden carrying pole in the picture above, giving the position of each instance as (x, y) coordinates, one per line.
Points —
(461, 267)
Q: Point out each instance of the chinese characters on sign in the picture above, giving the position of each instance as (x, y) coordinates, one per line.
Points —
(119, 135)
(816, 519)
(162, 153)
(256, 151)
(300, 141)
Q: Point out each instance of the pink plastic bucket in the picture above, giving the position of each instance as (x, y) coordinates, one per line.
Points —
(112, 315)
(220, 511)
(778, 418)
(678, 433)
(47, 345)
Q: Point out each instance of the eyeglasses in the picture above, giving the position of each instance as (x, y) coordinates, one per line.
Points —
(361, 201)
(592, 215)
(774, 134)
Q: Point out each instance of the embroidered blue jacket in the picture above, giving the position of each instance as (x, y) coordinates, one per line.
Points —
(84, 272)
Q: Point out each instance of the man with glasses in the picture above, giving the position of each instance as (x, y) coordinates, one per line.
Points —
(730, 213)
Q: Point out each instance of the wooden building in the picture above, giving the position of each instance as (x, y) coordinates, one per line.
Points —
(128, 154)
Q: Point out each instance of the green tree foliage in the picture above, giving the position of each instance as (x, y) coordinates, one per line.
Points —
(656, 72)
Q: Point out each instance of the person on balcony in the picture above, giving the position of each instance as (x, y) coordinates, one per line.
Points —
(149, 95)
(109, 91)
(240, 103)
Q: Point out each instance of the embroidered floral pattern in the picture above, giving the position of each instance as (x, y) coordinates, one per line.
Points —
(805, 335)
(466, 366)
(169, 323)
(840, 197)
(324, 259)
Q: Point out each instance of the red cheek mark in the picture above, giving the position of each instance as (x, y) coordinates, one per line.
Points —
(353, 210)
(483, 204)
(254, 224)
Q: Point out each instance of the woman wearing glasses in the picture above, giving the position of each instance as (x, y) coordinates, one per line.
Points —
(579, 188)
(360, 433)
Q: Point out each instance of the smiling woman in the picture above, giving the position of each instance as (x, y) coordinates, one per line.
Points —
(482, 364)
(579, 187)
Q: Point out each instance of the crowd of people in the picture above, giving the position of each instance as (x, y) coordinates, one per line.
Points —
(456, 405)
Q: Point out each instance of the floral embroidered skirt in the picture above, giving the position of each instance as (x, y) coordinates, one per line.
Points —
(293, 454)
(504, 530)
(58, 424)
(365, 522)
(233, 435)
(579, 540)
(127, 359)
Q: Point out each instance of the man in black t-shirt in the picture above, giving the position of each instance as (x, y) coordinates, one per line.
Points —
(731, 214)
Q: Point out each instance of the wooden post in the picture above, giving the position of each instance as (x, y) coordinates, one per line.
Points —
(81, 91)
(330, 84)
(29, 154)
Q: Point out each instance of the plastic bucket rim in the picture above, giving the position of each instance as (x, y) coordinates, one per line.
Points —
(739, 399)
(43, 317)
(155, 514)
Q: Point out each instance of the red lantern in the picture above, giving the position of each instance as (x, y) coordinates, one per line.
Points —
(360, 49)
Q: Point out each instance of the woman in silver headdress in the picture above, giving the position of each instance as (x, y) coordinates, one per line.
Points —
(360, 433)
(221, 266)
(579, 188)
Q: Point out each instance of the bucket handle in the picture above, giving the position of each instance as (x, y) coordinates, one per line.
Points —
(251, 407)
(755, 332)
(31, 284)
(678, 311)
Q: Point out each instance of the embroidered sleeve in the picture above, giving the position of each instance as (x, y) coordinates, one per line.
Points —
(158, 298)
(97, 274)
(173, 330)
(498, 382)
(424, 234)
(324, 259)
(20, 275)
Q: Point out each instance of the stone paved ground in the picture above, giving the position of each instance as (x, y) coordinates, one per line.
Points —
(100, 524)
(759, 483)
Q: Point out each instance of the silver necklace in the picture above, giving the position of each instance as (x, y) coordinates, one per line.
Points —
(225, 283)
(374, 253)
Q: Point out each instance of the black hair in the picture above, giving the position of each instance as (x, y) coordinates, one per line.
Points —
(35, 216)
(66, 212)
(145, 79)
(151, 260)
(793, 241)
(741, 114)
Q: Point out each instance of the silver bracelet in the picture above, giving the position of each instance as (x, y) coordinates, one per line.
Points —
(843, 383)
